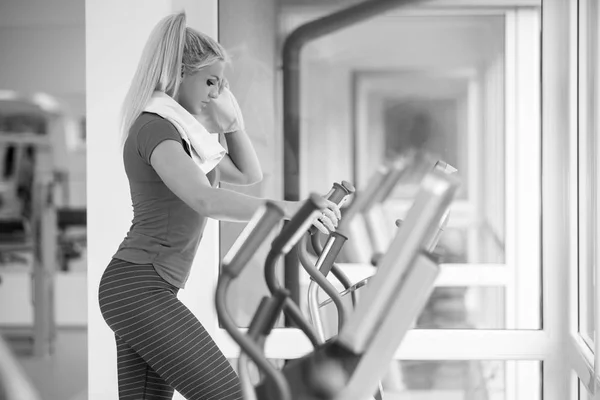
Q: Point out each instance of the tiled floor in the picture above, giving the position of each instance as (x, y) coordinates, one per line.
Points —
(62, 376)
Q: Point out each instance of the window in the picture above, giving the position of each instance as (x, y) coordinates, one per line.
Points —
(586, 172)
(588, 169)
(466, 89)
(493, 277)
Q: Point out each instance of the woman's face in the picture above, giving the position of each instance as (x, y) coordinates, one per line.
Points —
(200, 87)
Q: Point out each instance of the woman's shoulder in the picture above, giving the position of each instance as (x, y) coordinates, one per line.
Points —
(147, 132)
(150, 123)
(146, 118)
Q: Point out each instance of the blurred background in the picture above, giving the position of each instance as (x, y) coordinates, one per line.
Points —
(43, 262)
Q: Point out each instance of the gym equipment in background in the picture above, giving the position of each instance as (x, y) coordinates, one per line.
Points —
(35, 218)
(350, 365)
(28, 172)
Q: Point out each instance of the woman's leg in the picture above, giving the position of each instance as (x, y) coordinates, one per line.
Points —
(144, 312)
(137, 380)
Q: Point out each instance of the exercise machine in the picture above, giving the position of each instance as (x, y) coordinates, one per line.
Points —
(377, 194)
(439, 165)
(28, 217)
(350, 365)
(263, 222)
(36, 217)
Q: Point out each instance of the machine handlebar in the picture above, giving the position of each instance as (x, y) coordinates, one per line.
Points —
(253, 235)
(298, 225)
(338, 194)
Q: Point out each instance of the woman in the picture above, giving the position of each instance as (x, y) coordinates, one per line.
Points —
(173, 171)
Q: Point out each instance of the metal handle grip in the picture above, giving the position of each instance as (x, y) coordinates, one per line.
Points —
(338, 194)
(298, 225)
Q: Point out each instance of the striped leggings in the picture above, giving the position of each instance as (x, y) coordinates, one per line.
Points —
(161, 345)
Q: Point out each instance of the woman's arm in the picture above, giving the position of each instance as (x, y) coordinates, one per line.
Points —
(183, 177)
(241, 165)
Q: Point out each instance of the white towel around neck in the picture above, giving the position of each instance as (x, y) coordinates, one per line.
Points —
(205, 148)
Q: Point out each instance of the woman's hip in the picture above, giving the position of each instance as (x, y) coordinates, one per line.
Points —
(123, 281)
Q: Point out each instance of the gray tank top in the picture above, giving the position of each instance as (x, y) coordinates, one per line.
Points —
(165, 232)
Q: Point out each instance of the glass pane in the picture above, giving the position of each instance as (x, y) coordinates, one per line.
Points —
(588, 169)
(444, 92)
(583, 392)
(431, 96)
(447, 308)
(245, 29)
(464, 308)
(468, 380)
(440, 127)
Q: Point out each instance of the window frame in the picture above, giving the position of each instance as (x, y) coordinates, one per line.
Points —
(584, 355)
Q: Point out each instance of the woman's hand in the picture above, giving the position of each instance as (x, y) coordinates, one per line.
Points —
(222, 114)
(329, 218)
(223, 84)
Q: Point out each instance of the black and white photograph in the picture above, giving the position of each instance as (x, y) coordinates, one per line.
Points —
(299, 199)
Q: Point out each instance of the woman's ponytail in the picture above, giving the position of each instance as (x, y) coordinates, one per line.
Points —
(159, 68)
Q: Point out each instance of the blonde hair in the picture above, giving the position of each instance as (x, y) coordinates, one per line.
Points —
(171, 48)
